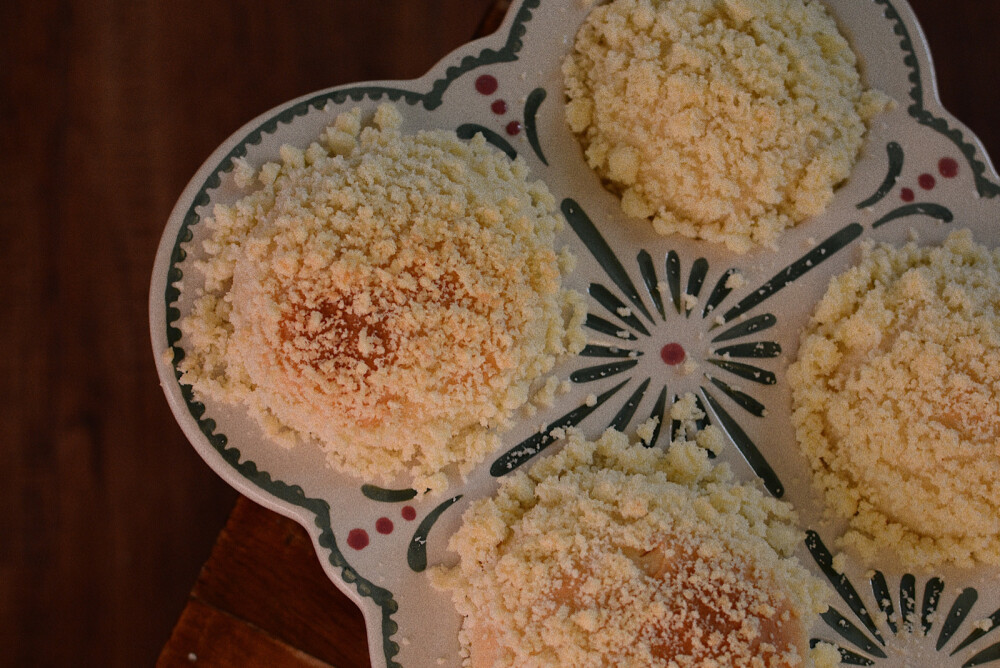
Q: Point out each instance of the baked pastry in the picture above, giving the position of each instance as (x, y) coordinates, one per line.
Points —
(723, 120)
(390, 296)
(896, 398)
(613, 554)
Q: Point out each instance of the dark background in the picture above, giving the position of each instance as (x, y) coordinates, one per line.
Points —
(107, 107)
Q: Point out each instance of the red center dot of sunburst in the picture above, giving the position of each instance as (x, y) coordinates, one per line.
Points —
(673, 354)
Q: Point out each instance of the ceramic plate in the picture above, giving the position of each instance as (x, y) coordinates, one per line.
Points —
(920, 170)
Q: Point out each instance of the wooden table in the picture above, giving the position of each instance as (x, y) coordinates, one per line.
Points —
(107, 108)
(262, 598)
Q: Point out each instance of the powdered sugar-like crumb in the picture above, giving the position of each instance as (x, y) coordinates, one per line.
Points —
(735, 281)
(632, 545)
(685, 77)
(342, 300)
(899, 354)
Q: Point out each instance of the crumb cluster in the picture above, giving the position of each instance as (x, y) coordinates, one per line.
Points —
(613, 554)
(391, 296)
(896, 401)
(724, 120)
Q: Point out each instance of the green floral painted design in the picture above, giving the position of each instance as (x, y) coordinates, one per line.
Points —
(627, 316)
(869, 637)
(376, 493)
(895, 155)
(416, 553)
(918, 111)
(531, 105)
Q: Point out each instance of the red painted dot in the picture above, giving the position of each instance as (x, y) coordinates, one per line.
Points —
(383, 525)
(906, 195)
(514, 127)
(926, 181)
(673, 354)
(358, 539)
(499, 107)
(409, 514)
(948, 167)
(487, 84)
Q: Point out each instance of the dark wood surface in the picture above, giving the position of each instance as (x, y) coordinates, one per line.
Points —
(107, 107)
(262, 597)
(106, 513)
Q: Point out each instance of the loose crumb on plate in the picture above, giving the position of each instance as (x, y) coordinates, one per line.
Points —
(645, 431)
(896, 402)
(391, 296)
(724, 120)
(545, 396)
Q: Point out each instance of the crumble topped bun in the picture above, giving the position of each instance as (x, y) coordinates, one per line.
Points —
(390, 296)
(896, 398)
(614, 554)
(723, 120)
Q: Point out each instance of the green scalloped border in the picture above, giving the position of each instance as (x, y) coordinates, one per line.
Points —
(279, 489)
(984, 186)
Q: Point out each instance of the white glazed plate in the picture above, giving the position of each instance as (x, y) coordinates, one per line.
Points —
(911, 150)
